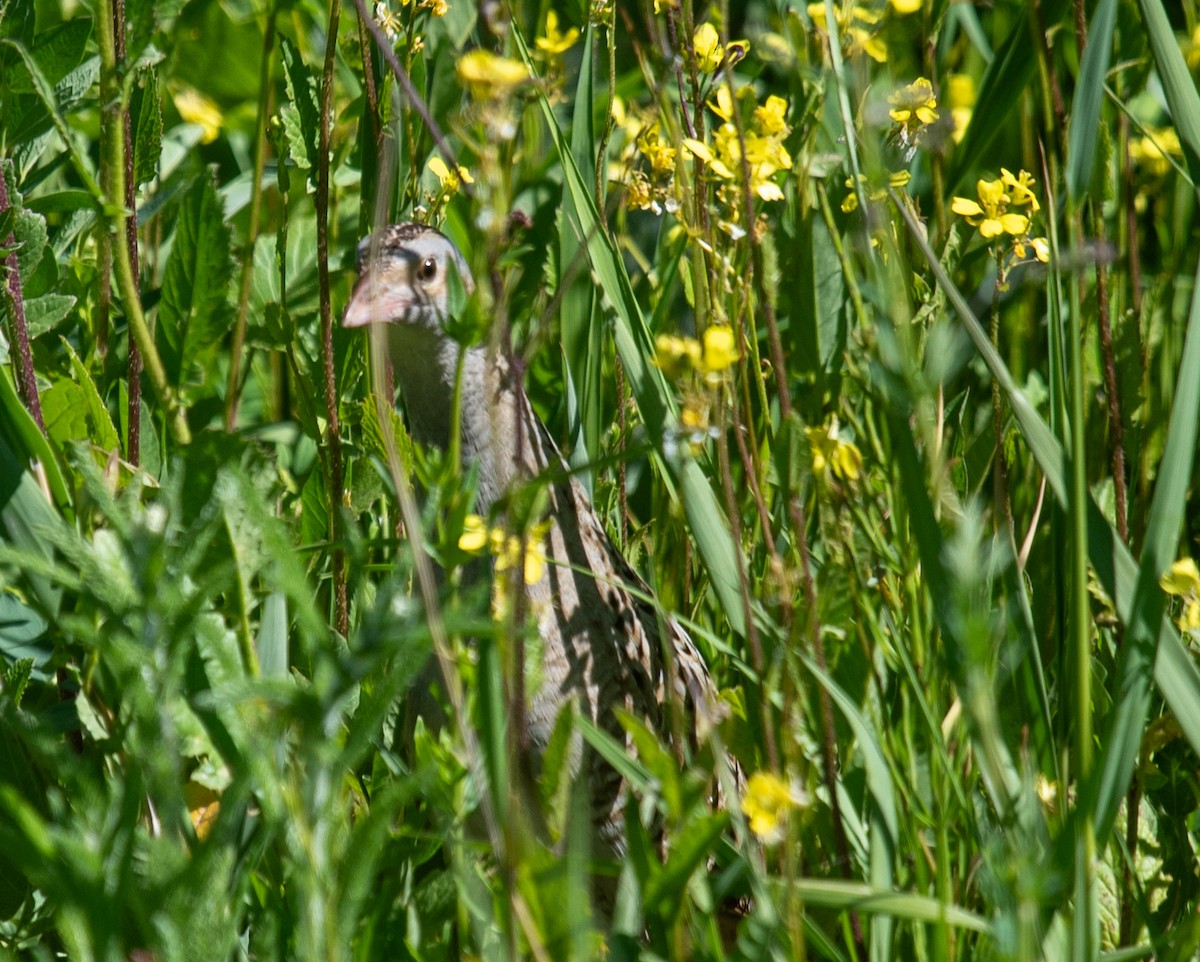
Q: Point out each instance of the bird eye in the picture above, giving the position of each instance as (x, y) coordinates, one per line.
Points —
(428, 269)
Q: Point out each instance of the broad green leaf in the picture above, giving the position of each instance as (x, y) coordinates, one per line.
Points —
(26, 443)
(101, 431)
(44, 313)
(193, 314)
(301, 117)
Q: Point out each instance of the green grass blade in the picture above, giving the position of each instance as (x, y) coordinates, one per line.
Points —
(1176, 80)
(999, 93)
(580, 322)
(1084, 128)
(1176, 675)
(845, 896)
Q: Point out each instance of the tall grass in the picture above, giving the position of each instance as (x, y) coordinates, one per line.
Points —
(886, 387)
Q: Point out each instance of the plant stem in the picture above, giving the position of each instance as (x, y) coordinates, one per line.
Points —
(114, 163)
(133, 449)
(334, 429)
(26, 382)
(234, 388)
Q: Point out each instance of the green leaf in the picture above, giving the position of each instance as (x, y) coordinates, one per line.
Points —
(579, 314)
(25, 441)
(1176, 80)
(57, 52)
(193, 314)
(145, 112)
(101, 430)
(43, 313)
(301, 116)
(1089, 94)
(1001, 89)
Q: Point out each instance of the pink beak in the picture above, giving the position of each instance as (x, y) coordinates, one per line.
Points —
(374, 302)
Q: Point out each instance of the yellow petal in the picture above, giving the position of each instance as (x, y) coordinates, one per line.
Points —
(966, 207)
(1181, 578)
(1015, 224)
(990, 227)
(474, 535)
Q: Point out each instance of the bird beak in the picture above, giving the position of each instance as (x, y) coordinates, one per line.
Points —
(376, 302)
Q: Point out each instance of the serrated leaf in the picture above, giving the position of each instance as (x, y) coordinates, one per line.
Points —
(145, 110)
(57, 51)
(301, 117)
(101, 430)
(192, 313)
(64, 411)
(29, 232)
(44, 313)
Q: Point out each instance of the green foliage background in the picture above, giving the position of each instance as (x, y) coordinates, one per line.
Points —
(919, 528)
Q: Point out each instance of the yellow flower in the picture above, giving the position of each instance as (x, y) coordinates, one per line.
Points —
(990, 214)
(720, 349)
(195, 108)
(660, 154)
(675, 355)
(528, 555)
(1154, 150)
(771, 117)
(856, 25)
(1182, 580)
(555, 42)
(388, 21)
(702, 151)
(831, 453)
(450, 181)
(707, 44)
(1019, 188)
(959, 91)
(474, 537)
(767, 802)
(439, 8)
(490, 76)
(875, 193)
(1041, 249)
(906, 6)
(913, 108)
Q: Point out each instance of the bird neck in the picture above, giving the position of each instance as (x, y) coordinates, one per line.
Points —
(498, 432)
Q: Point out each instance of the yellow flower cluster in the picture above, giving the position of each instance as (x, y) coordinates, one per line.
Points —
(767, 802)
(831, 454)
(913, 108)
(996, 214)
(710, 55)
(510, 551)
(556, 42)
(856, 26)
(763, 138)
(1153, 151)
(1182, 580)
(679, 356)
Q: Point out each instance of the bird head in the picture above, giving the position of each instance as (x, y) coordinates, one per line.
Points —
(405, 277)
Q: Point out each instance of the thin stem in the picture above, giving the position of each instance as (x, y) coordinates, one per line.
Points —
(112, 91)
(234, 387)
(26, 381)
(334, 429)
(133, 450)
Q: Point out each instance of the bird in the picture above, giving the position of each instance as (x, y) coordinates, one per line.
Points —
(604, 646)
